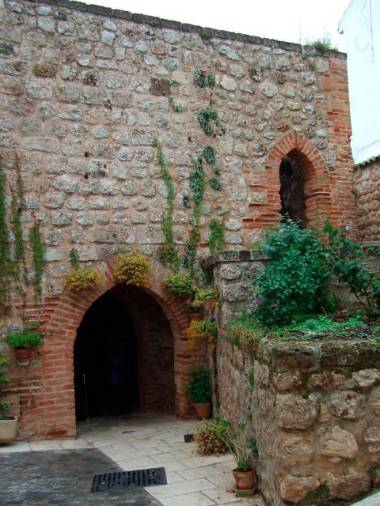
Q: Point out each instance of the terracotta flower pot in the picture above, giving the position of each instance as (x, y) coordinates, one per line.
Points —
(8, 430)
(203, 410)
(23, 355)
(245, 480)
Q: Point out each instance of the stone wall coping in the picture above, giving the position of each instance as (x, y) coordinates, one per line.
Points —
(205, 33)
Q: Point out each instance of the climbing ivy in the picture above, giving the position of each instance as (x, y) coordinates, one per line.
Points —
(216, 237)
(74, 258)
(17, 207)
(168, 252)
(216, 184)
(208, 155)
(207, 119)
(38, 261)
(5, 260)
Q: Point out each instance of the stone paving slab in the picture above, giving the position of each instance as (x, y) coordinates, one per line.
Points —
(62, 477)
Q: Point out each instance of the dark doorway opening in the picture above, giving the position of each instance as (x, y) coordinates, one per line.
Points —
(292, 191)
(105, 361)
(124, 356)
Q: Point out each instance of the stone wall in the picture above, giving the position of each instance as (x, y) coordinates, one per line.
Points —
(85, 93)
(367, 196)
(314, 410)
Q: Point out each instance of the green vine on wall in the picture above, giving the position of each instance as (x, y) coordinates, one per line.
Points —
(17, 207)
(203, 79)
(216, 236)
(5, 259)
(207, 118)
(168, 253)
(38, 260)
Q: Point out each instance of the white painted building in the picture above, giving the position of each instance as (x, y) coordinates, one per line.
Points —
(361, 28)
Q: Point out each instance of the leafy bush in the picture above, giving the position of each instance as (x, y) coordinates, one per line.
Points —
(131, 268)
(3, 379)
(202, 331)
(180, 284)
(296, 280)
(210, 436)
(83, 278)
(198, 388)
(24, 339)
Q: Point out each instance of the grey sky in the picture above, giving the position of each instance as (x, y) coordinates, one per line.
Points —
(290, 20)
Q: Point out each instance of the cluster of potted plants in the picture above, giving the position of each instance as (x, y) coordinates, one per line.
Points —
(198, 390)
(23, 341)
(8, 424)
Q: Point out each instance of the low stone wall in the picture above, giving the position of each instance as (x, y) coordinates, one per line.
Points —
(315, 412)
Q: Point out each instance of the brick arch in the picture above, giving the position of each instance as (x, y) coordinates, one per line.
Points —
(61, 319)
(265, 202)
(317, 179)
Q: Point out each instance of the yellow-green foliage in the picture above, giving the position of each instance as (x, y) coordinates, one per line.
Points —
(201, 331)
(131, 268)
(210, 436)
(83, 278)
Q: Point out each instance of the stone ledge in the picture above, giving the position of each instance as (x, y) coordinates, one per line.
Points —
(204, 32)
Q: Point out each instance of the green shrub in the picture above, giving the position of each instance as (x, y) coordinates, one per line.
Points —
(210, 436)
(198, 388)
(131, 268)
(24, 339)
(204, 297)
(180, 284)
(303, 263)
(296, 279)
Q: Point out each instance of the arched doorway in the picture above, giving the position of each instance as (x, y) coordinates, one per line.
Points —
(55, 410)
(124, 356)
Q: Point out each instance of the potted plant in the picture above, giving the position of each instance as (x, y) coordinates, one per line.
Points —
(8, 424)
(245, 453)
(22, 341)
(198, 390)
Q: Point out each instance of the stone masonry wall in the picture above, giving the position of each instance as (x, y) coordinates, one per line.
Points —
(367, 196)
(85, 92)
(84, 95)
(314, 412)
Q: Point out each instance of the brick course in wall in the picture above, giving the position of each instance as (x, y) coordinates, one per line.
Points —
(85, 93)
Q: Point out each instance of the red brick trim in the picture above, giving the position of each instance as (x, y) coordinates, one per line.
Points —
(61, 318)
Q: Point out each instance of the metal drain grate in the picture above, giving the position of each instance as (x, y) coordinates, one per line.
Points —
(122, 479)
(189, 438)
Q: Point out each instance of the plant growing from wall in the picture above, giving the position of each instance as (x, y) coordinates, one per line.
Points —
(38, 257)
(5, 259)
(203, 79)
(202, 331)
(168, 253)
(180, 284)
(81, 278)
(208, 155)
(131, 268)
(206, 298)
(207, 120)
(216, 236)
(216, 184)
(17, 207)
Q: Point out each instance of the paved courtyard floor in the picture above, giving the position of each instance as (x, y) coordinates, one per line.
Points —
(142, 441)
